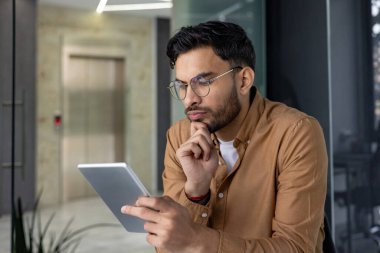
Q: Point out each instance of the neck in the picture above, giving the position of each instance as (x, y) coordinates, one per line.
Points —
(230, 131)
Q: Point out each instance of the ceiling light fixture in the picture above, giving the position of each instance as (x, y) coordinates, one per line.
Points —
(101, 6)
(137, 7)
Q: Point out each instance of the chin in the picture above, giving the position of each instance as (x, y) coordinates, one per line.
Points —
(212, 128)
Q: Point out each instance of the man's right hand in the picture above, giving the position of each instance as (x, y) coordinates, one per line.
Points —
(199, 160)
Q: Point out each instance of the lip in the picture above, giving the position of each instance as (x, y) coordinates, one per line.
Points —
(195, 115)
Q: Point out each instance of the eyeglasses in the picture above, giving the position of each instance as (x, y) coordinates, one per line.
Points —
(199, 85)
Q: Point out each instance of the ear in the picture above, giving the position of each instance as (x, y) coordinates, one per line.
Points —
(247, 76)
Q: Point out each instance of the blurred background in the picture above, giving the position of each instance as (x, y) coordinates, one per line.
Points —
(85, 81)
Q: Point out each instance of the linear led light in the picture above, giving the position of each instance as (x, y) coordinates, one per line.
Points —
(137, 7)
(101, 6)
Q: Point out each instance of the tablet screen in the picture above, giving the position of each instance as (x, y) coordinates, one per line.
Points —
(117, 185)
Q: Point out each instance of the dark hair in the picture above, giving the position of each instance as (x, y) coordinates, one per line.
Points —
(229, 41)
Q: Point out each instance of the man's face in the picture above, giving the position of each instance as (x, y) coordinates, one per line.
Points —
(221, 105)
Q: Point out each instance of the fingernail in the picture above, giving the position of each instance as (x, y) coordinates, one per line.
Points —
(124, 209)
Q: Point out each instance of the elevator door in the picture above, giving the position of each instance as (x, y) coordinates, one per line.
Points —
(93, 117)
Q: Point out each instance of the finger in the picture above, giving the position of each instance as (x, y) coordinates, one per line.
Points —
(190, 149)
(156, 203)
(204, 145)
(202, 133)
(159, 241)
(202, 137)
(143, 213)
(153, 228)
(150, 227)
(154, 240)
(194, 126)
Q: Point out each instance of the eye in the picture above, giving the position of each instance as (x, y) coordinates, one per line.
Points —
(202, 81)
(180, 85)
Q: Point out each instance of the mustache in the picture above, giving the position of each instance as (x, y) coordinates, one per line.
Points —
(196, 108)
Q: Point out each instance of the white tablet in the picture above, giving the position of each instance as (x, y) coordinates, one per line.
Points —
(117, 185)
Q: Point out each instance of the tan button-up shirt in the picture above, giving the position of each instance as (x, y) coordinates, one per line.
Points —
(273, 199)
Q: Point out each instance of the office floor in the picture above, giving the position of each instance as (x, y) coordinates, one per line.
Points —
(113, 239)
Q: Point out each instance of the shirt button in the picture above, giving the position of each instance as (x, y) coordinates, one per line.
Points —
(220, 195)
(204, 215)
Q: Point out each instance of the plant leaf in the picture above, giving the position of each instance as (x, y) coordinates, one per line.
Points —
(62, 236)
(76, 244)
(51, 242)
(19, 232)
(33, 221)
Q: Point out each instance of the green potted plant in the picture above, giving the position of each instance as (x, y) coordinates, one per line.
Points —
(30, 236)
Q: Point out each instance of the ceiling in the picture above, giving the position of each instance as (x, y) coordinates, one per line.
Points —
(92, 4)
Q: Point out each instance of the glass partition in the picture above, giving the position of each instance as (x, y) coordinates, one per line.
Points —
(17, 112)
(354, 80)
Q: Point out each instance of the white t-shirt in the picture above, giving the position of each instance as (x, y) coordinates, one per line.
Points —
(229, 153)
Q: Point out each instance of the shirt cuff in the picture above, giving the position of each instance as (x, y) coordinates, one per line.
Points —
(200, 213)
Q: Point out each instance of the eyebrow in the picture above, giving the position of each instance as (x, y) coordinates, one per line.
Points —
(202, 74)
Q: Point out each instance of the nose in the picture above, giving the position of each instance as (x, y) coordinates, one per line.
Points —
(191, 97)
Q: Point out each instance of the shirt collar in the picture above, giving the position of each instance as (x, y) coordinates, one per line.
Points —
(251, 120)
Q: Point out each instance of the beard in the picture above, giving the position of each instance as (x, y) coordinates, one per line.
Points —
(223, 115)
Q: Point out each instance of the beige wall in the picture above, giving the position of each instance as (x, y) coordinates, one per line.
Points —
(60, 28)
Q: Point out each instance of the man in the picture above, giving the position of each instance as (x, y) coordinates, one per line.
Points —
(242, 173)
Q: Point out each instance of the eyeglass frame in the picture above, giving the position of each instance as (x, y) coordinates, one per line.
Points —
(174, 93)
